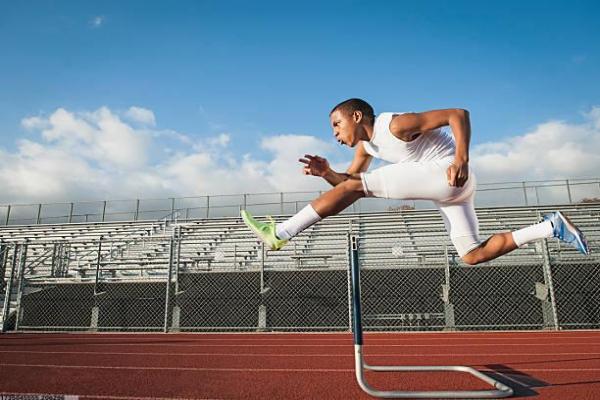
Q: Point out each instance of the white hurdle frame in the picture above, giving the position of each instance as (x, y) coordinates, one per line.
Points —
(500, 390)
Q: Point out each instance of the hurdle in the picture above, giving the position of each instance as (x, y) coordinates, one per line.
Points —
(501, 390)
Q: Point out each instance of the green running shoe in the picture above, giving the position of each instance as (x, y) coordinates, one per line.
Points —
(265, 231)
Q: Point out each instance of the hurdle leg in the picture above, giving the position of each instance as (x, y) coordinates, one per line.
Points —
(500, 390)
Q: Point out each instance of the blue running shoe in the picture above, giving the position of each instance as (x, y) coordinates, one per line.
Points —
(567, 232)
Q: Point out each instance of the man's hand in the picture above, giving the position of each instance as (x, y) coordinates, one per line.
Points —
(314, 165)
(457, 173)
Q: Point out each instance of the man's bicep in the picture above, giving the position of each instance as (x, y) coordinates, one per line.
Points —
(420, 122)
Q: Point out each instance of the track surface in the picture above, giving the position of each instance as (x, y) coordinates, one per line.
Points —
(538, 365)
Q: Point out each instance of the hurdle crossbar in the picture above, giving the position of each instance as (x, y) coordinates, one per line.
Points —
(500, 390)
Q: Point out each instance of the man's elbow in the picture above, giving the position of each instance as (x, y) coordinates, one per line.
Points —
(461, 112)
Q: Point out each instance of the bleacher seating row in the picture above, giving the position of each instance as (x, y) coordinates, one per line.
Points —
(409, 237)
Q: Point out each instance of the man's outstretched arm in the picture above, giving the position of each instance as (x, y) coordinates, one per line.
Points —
(404, 125)
(318, 166)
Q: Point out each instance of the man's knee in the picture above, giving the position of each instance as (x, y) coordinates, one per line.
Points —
(473, 257)
(353, 185)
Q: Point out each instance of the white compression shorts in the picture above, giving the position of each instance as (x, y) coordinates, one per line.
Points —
(427, 181)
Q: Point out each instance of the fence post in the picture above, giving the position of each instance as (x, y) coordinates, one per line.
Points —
(21, 280)
(262, 267)
(52, 266)
(39, 214)
(103, 211)
(234, 255)
(207, 206)
(8, 214)
(448, 306)
(525, 193)
(137, 210)
(175, 320)
(281, 202)
(95, 317)
(349, 279)
(98, 259)
(547, 290)
(3, 261)
(168, 287)
(71, 213)
(8, 292)
(3, 257)
(262, 308)
(569, 192)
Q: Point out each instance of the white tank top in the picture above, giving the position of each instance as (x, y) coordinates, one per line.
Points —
(432, 145)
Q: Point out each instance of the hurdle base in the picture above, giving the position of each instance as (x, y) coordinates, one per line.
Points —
(501, 390)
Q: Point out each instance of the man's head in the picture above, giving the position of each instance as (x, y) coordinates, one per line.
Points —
(348, 120)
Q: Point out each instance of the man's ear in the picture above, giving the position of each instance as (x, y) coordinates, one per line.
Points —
(358, 116)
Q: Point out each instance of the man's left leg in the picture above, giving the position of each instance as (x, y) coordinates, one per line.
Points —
(462, 225)
(494, 247)
(329, 203)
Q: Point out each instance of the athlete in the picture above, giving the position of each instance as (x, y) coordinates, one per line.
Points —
(426, 163)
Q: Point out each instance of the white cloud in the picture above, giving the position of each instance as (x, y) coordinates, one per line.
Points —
(594, 116)
(96, 154)
(97, 21)
(552, 150)
(99, 136)
(33, 123)
(285, 172)
(99, 155)
(221, 140)
(141, 115)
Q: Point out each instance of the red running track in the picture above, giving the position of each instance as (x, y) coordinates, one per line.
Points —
(540, 365)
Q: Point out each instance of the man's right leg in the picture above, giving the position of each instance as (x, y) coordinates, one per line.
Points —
(329, 203)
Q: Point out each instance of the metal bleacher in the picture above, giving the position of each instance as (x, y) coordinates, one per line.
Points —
(409, 237)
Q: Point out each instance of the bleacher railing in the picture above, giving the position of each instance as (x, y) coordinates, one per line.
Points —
(174, 283)
(525, 193)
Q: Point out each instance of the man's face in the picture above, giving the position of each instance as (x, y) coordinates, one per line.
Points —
(344, 127)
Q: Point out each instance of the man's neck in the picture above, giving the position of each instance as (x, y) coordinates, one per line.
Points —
(369, 128)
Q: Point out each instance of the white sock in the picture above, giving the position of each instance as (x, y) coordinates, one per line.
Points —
(533, 232)
(299, 222)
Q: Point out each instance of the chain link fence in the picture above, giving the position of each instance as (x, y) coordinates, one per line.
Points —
(180, 282)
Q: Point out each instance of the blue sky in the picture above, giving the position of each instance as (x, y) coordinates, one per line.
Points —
(257, 69)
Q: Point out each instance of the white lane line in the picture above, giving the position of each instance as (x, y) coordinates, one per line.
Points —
(182, 368)
(100, 396)
(308, 333)
(102, 353)
(588, 344)
(349, 339)
(264, 369)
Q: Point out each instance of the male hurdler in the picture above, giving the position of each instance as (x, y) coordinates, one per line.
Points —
(426, 163)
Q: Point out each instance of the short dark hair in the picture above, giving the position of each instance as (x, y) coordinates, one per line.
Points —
(351, 105)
